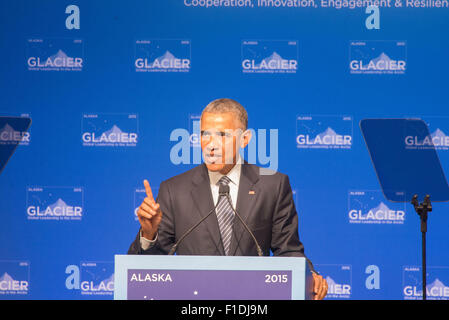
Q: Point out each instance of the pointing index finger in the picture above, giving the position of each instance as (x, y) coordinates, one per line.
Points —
(148, 189)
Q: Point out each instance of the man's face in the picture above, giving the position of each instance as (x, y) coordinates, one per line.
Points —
(221, 137)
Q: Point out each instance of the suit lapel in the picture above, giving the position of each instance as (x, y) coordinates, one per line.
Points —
(247, 197)
(202, 196)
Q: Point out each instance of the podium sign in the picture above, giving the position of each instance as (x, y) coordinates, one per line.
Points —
(147, 277)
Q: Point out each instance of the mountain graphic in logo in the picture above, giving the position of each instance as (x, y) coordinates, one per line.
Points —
(383, 57)
(7, 128)
(7, 133)
(58, 204)
(436, 284)
(438, 134)
(6, 277)
(166, 56)
(381, 207)
(59, 54)
(331, 282)
(274, 57)
(115, 130)
(328, 132)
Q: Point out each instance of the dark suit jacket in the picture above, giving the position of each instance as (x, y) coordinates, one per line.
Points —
(269, 213)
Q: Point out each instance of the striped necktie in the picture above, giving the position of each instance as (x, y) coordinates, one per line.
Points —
(225, 216)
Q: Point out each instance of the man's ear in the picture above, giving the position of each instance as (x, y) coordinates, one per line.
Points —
(245, 138)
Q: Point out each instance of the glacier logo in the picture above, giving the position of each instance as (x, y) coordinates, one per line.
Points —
(92, 279)
(162, 55)
(8, 136)
(269, 56)
(436, 288)
(97, 278)
(14, 278)
(55, 203)
(109, 130)
(55, 54)
(378, 57)
(324, 132)
(368, 207)
(337, 290)
(339, 280)
(437, 139)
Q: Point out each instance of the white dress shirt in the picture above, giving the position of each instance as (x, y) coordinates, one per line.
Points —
(214, 177)
(234, 176)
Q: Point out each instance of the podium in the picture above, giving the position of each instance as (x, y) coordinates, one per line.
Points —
(154, 277)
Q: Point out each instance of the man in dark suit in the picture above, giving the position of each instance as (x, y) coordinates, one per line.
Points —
(263, 199)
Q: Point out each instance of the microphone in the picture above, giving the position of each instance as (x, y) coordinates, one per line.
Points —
(222, 193)
(226, 193)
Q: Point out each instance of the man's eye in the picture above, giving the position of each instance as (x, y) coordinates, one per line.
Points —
(206, 134)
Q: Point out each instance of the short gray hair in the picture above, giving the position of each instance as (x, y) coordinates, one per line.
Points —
(228, 105)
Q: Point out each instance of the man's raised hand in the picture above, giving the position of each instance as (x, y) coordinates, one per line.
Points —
(149, 214)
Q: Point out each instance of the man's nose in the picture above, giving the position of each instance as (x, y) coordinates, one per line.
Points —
(215, 142)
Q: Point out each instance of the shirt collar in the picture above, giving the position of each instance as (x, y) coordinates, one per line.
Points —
(233, 175)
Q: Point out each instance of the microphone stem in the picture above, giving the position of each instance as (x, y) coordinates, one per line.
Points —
(175, 246)
(259, 251)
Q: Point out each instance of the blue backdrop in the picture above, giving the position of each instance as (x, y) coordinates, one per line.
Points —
(87, 72)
